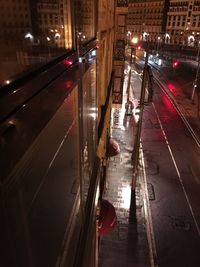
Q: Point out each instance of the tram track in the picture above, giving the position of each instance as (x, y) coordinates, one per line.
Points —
(179, 108)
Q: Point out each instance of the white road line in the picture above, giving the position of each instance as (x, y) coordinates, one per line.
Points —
(194, 175)
(166, 140)
(178, 173)
(178, 109)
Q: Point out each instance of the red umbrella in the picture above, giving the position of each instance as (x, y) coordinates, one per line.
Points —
(107, 218)
(113, 148)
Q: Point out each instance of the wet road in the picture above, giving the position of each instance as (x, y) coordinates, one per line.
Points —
(172, 159)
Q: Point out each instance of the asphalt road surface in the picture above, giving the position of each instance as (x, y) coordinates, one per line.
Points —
(172, 159)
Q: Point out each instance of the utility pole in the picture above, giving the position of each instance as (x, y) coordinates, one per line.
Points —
(157, 47)
(128, 85)
(197, 75)
(129, 76)
(128, 105)
(136, 151)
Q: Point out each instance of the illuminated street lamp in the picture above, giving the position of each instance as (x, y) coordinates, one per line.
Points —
(167, 38)
(7, 82)
(28, 35)
(134, 40)
(57, 35)
(128, 37)
(190, 40)
(157, 48)
(133, 44)
(145, 36)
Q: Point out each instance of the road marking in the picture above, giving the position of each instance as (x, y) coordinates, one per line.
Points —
(178, 109)
(166, 140)
(194, 175)
(178, 173)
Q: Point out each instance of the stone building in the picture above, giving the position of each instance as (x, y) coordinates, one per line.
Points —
(146, 19)
(183, 22)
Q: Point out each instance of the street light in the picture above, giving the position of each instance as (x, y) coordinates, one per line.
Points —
(167, 38)
(145, 36)
(57, 35)
(128, 37)
(191, 40)
(28, 35)
(197, 74)
(133, 42)
(136, 150)
(157, 48)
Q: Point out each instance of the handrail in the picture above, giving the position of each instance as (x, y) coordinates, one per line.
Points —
(41, 77)
(29, 75)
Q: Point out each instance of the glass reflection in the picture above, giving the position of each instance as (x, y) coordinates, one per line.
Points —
(85, 18)
(34, 32)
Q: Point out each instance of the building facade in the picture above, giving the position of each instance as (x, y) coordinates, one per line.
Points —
(53, 165)
(119, 49)
(146, 19)
(173, 22)
(183, 22)
(15, 21)
(54, 23)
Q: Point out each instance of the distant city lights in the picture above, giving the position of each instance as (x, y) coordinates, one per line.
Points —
(28, 35)
(93, 53)
(57, 35)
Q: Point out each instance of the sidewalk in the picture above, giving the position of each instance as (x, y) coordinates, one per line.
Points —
(127, 244)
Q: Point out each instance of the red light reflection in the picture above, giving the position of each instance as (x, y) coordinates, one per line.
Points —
(68, 62)
(68, 84)
(169, 105)
(175, 63)
(172, 88)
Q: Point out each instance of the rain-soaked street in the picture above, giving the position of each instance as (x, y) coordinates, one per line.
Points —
(172, 159)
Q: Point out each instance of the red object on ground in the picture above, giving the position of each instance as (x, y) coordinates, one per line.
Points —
(113, 148)
(107, 218)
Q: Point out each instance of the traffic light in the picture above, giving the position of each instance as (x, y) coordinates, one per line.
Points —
(139, 47)
(175, 63)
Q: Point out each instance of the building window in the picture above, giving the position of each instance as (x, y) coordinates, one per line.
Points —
(85, 14)
(34, 19)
